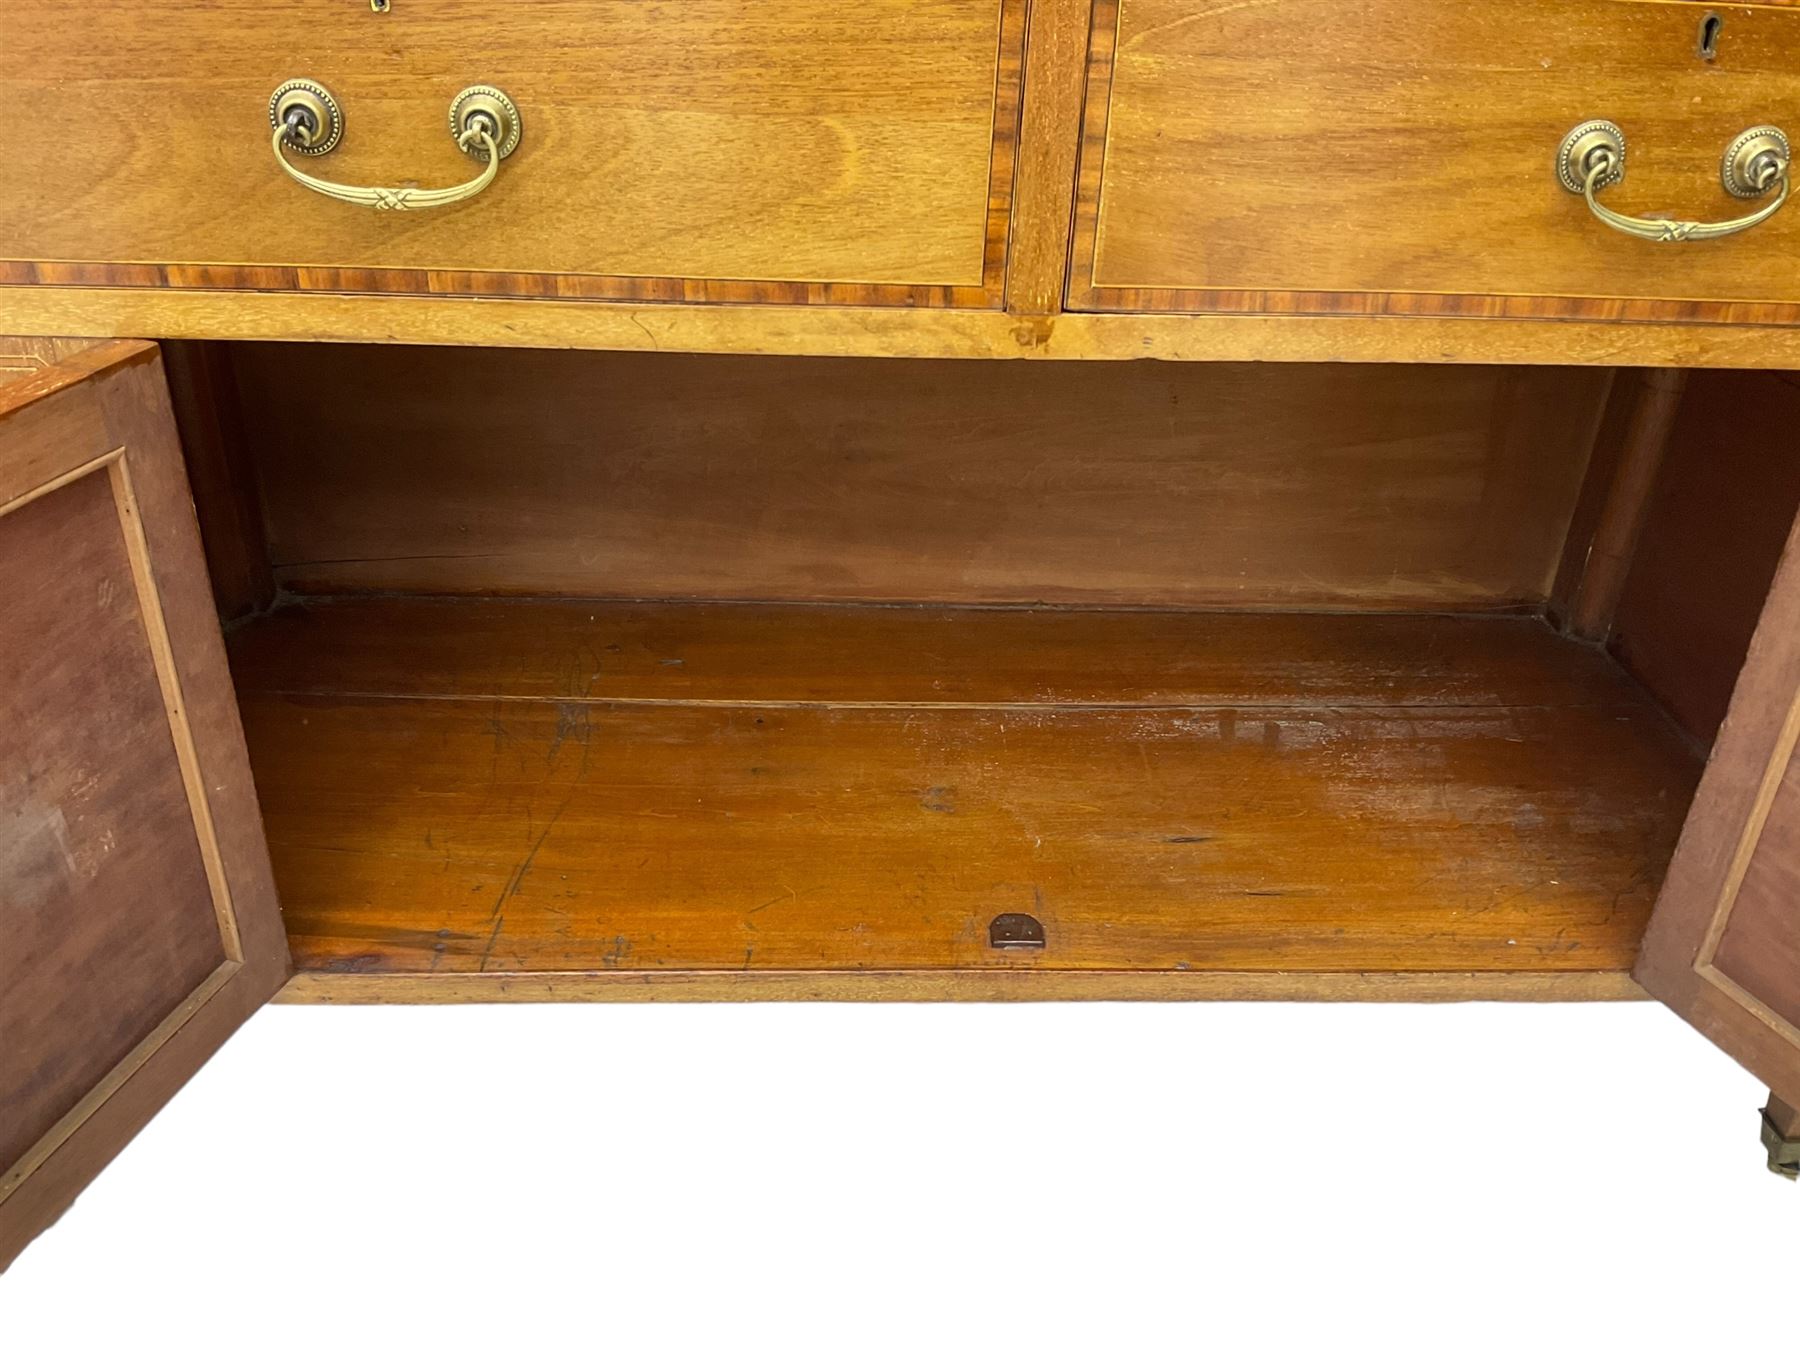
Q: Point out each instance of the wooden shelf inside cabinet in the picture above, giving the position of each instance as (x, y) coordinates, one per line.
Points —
(459, 787)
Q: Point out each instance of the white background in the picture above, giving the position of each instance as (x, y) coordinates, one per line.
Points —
(935, 1176)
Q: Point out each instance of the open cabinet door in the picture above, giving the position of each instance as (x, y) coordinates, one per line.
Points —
(138, 923)
(1723, 948)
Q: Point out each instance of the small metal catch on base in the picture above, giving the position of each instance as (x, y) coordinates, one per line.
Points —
(1015, 931)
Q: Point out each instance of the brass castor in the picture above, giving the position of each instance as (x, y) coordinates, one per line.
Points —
(1781, 1136)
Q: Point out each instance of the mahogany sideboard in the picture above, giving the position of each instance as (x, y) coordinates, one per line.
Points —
(927, 499)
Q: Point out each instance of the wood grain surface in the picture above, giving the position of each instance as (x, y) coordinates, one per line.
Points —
(93, 818)
(674, 476)
(208, 419)
(825, 330)
(1724, 947)
(1049, 141)
(789, 151)
(935, 656)
(27, 357)
(1612, 424)
(1632, 471)
(135, 892)
(1725, 503)
(1383, 157)
(1759, 945)
(972, 986)
(653, 788)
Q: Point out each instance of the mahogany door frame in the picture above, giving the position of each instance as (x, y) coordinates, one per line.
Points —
(1728, 825)
(105, 412)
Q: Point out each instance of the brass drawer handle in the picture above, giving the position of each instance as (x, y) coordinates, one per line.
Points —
(1592, 157)
(483, 121)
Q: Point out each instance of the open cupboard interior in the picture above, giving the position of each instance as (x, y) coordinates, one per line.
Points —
(623, 665)
(383, 674)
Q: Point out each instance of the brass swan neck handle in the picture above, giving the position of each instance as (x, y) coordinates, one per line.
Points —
(308, 120)
(1592, 157)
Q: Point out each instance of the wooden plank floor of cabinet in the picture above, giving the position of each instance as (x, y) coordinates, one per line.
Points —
(464, 787)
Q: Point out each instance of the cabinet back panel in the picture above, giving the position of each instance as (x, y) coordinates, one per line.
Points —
(677, 476)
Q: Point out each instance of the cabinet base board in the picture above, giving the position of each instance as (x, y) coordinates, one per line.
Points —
(972, 986)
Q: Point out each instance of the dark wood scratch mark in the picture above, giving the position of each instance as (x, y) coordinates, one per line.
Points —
(517, 881)
(519, 873)
(939, 799)
(493, 937)
(574, 721)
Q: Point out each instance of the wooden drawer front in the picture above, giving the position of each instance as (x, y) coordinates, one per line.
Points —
(1396, 156)
(767, 150)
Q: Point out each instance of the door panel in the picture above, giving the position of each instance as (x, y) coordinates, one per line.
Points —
(138, 924)
(1759, 945)
(1723, 948)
